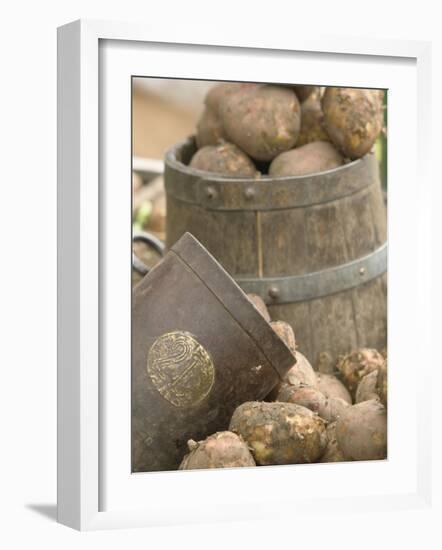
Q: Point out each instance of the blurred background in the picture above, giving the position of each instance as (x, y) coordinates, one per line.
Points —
(164, 112)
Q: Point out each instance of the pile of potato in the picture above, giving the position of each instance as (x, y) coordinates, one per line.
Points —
(249, 130)
(308, 417)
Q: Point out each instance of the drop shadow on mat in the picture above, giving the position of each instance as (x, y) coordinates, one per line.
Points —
(49, 511)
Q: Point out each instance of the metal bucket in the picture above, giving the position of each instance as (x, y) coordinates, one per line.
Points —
(199, 349)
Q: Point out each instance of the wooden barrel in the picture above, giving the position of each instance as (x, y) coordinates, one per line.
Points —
(313, 247)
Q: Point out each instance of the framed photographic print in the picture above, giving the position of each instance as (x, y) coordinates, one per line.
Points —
(223, 254)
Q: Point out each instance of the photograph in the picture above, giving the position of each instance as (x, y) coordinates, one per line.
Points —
(259, 274)
(231, 297)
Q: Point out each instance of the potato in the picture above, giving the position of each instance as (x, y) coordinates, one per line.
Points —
(258, 302)
(280, 433)
(262, 120)
(312, 158)
(301, 374)
(225, 159)
(209, 130)
(312, 128)
(366, 389)
(361, 431)
(285, 332)
(382, 383)
(334, 408)
(304, 92)
(330, 409)
(308, 397)
(219, 92)
(353, 118)
(331, 387)
(332, 452)
(354, 366)
(220, 450)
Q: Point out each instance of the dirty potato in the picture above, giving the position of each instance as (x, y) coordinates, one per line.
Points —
(285, 332)
(366, 389)
(353, 118)
(330, 409)
(209, 130)
(301, 374)
(306, 396)
(280, 433)
(361, 431)
(262, 120)
(332, 452)
(333, 409)
(259, 304)
(312, 158)
(220, 91)
(331, 387)
(355, 365)
(220, 450)
(225, 159)
(312, 124)
(304, 92)
(382, 383)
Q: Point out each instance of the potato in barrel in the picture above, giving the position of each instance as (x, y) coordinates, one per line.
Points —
(304, 92)
(353, 118)
(225, 159)
(262, 120)
(317, 156)
(209, 130)
(312, 124)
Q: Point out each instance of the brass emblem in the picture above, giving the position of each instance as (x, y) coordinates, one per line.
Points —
(180, 368)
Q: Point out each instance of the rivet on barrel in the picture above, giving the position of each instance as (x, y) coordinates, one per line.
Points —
(249, 193)
(362, 271)
(274, 292)
(210, 192)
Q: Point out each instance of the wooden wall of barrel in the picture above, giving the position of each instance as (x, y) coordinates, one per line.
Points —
(313, 247)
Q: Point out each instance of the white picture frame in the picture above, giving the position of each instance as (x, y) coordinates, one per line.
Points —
(95, 487)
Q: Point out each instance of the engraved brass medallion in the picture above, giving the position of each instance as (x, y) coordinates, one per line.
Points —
(180, 368)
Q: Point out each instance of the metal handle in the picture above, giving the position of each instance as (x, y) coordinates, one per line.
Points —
(151, 240)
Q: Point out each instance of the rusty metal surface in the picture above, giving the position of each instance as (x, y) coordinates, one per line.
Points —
(227, 193)
(199, 349)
